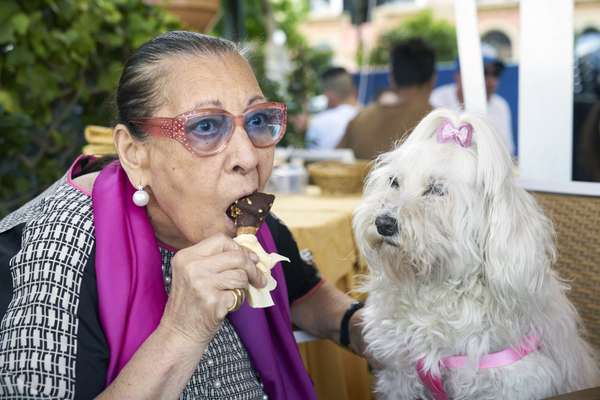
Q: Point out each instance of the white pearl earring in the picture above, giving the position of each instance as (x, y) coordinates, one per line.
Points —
(140, 197)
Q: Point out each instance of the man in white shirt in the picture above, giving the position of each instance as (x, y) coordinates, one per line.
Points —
(451, 96)
(326, 128)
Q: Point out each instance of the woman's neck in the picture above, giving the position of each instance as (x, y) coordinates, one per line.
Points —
(164, 229)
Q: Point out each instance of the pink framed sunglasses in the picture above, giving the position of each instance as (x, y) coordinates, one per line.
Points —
(207, 131)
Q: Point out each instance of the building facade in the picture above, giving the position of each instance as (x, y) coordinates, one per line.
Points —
(330, 24)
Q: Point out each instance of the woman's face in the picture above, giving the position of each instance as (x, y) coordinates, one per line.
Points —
(190, 194)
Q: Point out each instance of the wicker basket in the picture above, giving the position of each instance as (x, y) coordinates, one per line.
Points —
(99, 141)
(577, 222)
(336, 178)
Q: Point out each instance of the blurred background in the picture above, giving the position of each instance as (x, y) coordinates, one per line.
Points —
(60, 61)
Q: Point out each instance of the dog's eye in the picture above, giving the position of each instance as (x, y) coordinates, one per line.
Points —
(435, 189)
(394, 182)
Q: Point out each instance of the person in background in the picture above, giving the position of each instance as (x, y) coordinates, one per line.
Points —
(451, 96)
(326, 128)
(397, 111)
(588, 147)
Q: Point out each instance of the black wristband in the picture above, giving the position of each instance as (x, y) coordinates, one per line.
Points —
(345, 324)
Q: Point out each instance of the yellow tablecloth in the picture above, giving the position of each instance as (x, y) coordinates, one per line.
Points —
(323, 225)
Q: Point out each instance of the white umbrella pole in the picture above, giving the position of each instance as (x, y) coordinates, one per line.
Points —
(469, 53)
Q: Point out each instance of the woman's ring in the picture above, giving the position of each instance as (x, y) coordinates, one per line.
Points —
(240, 296)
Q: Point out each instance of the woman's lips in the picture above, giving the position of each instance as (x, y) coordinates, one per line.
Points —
(229, 224)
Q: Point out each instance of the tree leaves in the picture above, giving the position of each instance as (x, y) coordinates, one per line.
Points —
(60, 61)
(20, 23)
(440, 34)
(7, 27)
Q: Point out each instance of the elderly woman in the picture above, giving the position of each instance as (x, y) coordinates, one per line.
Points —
(87, 309)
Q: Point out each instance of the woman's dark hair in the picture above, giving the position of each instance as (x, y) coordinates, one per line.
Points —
(337, 80)
(139, 94)
(412, 62)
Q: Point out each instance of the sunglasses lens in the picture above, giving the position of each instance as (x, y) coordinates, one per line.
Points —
(206, 133)
(265, 126)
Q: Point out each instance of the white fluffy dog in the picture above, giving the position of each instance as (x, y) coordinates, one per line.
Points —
(460, 285)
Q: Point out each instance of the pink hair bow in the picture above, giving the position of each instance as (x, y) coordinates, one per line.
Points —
(462, 135)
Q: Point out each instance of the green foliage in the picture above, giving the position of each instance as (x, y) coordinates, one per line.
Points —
(440, 34)
(307, 62)
(60, 61)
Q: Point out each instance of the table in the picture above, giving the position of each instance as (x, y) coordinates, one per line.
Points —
(323, 224)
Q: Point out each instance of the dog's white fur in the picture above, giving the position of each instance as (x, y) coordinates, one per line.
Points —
(468, 273)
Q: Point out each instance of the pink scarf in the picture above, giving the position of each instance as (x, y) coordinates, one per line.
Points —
(132, 297)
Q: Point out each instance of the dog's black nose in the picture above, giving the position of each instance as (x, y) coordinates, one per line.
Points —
(386, 225)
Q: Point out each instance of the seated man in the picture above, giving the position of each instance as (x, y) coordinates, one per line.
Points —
(397, 111)
(326, 128)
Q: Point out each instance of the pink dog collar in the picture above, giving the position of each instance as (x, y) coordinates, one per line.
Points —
(508, 356)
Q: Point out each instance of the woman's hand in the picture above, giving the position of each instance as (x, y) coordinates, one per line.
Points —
(202, 280)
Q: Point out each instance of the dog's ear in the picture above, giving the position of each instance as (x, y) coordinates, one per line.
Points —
(518, 245)
(517, 238)
(494, 164)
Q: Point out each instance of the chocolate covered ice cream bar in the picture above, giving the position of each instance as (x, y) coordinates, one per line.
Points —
(249, 212)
